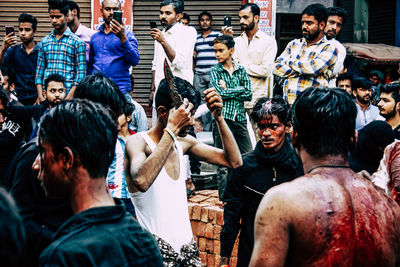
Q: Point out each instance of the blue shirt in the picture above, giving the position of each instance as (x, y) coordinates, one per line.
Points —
(116, 173)
(367, 116)
(24, 66)
(65, 56)
(205, 58)
(113, 58)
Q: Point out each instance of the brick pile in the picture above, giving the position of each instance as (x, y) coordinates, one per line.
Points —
(207, 217)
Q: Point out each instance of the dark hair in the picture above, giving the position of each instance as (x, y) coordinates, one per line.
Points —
(54, 77)
(13, 238)
(3, 96)
(177, 4)
(61, 5)
(205, 13)
(86, 128)
(185, 89)
(128, 109)
(391, 88)
(25, 17)
(255, 9)
(343, 76)
(10, 73)
(316, 10)
(186, 16)
(337, 11)
(226, 40)
(103, 90)
(266, 107)
(73, 5)
(361, 82)
(324, 119)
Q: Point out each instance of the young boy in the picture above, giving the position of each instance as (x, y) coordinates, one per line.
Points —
(116, 174)
(233, 84)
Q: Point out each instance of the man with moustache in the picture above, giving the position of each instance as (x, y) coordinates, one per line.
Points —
(362, 93)
(22, 59)
(309, 61)
(389, 105)
(60, 52)
(272, 162)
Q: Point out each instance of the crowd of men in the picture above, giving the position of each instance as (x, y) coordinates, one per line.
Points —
(90, 185)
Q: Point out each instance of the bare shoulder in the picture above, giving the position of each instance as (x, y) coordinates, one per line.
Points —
(135, 143)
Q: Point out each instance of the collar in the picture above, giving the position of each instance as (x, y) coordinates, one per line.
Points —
(259, 34)
(173, 29)
(359, 107)
(91, 216)
(323, 40)
(79, 31)
(67, 32)
(36, 48)
(236, 66)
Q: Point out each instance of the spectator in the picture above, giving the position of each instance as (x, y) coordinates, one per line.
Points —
(138, 121)
(389, 106)
(22, 59)
(112, 50)
(272, 162)
(366, 112)
(83, 32)
(233, 84)
(336, 19)
(344, 81)
(8, 81)
(69, 62)
(308, 61)
(376, 77)
(68, 139)
(185, 20)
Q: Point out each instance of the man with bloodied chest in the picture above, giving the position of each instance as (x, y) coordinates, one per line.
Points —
(330, 216)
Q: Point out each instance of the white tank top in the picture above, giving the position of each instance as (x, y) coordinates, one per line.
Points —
(163, 208)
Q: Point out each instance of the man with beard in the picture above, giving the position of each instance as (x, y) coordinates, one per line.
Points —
(389, 106)
(343, 81)
(336, 18)
(309, 61)
(60, 52)
(155, 170)
(175, 44)
(22, 59)
(272, 162)
(83, 32)
(113, 50)
(366, 112)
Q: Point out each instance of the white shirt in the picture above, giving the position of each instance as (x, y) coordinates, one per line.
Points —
(257, 57)
(339, 62)
(182, 40)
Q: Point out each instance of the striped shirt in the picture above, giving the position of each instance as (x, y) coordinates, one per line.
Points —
(116, 174)
(238, 90)
(205, 58)
(66, 56)
(305, 66)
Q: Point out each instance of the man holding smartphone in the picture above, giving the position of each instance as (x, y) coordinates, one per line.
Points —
(22, 59)
(112, 49)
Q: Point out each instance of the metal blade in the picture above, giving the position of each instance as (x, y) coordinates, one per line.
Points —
(169, 77)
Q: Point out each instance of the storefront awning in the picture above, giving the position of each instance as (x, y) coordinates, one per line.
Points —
(374, 53)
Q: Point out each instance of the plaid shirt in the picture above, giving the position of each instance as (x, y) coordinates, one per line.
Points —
(66, 56)
(238, 90)
(305, 66)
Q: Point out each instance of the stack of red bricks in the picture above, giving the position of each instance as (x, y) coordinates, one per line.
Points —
(207, 217)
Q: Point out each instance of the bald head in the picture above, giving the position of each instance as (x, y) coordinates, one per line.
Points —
(111, 3)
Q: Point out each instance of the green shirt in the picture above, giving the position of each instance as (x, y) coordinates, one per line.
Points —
(238, 90)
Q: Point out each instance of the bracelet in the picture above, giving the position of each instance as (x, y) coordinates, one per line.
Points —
(173, 136)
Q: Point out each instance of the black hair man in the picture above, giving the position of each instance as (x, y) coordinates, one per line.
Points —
(22, 58)
(155, 171)
(73, 166)
(272, 162)
(185, 20)
(343, 81)
(389, 105)
(61, 51)
(308, 61)
(331, 216)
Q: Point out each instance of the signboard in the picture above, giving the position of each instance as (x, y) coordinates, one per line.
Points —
(267, 15)
(97, 16)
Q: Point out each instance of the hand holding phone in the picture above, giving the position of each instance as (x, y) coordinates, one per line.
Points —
(118, 16)
(9, 29)
(153, 24)
(227, 20)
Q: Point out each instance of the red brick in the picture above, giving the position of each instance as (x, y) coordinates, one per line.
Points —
(190, 208)
(207, 192)
(211, 260)
(202, 243)
(201, 230)
(198, 198)
(217, 247)
(203, 257)
(195, 227)
(217, 232)
(212, 214)
(220, 217)
(196, 211)
(235, 250)
(210, 246)
(196, 239)
(204, 214)
(233, 262)
(209, 233)
(217, 260)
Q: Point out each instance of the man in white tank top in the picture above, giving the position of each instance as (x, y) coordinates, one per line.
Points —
(156, 176)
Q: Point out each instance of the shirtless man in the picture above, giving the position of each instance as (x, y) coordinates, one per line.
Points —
(331, 216)
(156, 177)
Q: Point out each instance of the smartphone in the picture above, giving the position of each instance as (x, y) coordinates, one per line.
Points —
(118, 16)
(9, 29)
(227, 20)
(153, 24)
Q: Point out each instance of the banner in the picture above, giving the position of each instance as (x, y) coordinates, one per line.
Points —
(267, 15)
(127, 16)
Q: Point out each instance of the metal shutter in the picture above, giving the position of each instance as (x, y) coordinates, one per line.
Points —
(145, 11)
(382, 21)
(347, 31)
